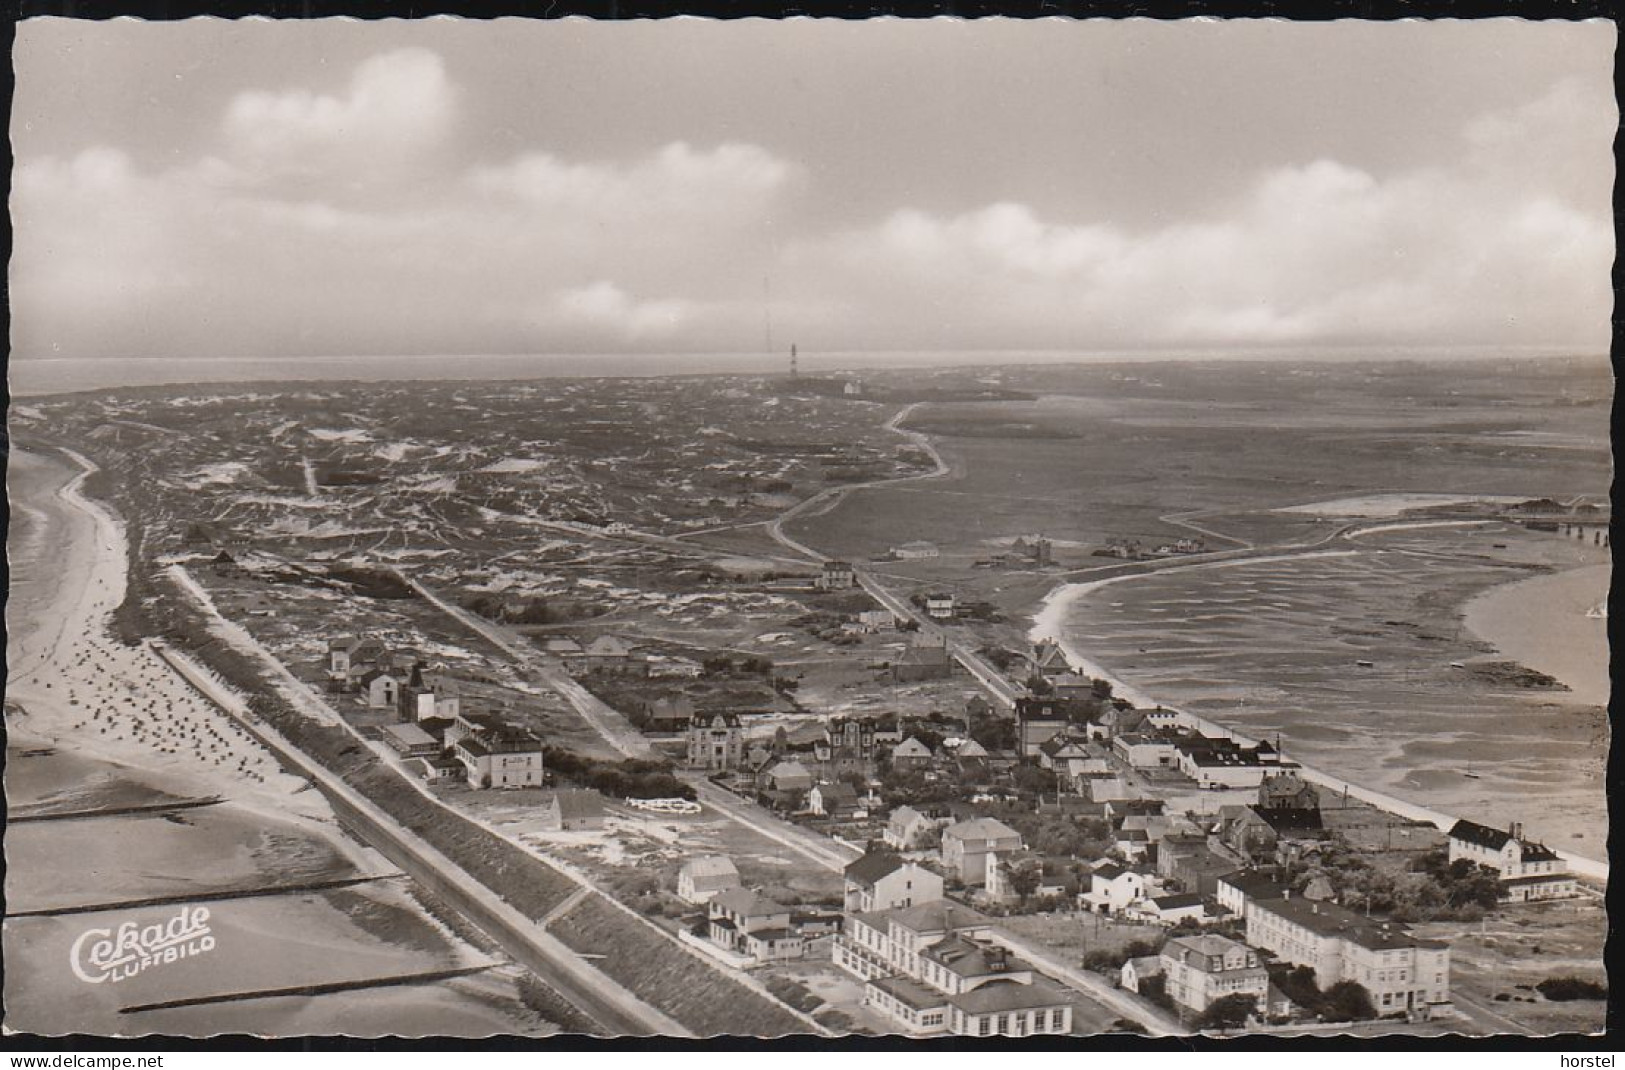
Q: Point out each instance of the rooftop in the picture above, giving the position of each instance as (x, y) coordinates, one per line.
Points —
(710, 866)
(980, 828)
(911, 993)
(1329, 919)
(873, 866)
(998, 997)
(941, 916)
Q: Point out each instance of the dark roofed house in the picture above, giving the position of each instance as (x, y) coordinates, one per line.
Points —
(716, 741)
(922, 662)
(1258, 829)
(881, 880)
(1528, 870)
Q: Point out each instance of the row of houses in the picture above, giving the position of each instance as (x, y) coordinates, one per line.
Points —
(615, 655)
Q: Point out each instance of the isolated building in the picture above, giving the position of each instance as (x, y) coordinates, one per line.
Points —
(837, 576)
(716, 741)
(1528, 870)
(501, 758)
(702, 878)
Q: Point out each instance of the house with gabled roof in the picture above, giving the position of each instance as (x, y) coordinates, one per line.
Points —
(923, 661)
(702, 878)
(1171, 909)
(908, 828)
(833, 799)
(1050, 659)
(611, 653)
(573, 809)
(1137, 971)
(1528, 870)
(743, 922)
(966, 845)
(910, 754)
(382, 688)
(881, 880)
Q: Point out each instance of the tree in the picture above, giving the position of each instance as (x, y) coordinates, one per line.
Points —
(1102, 689)
(1024, 881)
(1348, 1001)
(1228, 1012)
(1031, 779)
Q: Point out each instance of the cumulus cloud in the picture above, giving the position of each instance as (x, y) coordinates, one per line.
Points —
(1489, 249)
(341, 222)
(396, 106)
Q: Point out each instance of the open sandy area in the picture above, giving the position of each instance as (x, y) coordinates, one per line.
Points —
(95, 724)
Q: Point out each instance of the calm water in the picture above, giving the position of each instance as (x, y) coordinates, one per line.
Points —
(33, 377)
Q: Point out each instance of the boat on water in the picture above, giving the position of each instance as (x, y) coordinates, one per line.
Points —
(1598, 611)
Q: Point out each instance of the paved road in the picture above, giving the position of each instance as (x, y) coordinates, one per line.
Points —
(1093, 985)
(820, 850)
(547, 671)
(990, 678)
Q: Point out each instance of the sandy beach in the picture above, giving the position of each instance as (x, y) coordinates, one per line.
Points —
(94, 725)
(1543, 622)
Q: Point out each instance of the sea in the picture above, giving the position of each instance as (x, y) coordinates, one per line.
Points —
(39, 376)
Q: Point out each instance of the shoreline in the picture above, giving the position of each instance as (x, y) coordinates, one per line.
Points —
(1546, 633)
(1049, 623)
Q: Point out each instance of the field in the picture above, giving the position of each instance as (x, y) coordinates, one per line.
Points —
(704, 998)
(1498, 962)
(1112, 450)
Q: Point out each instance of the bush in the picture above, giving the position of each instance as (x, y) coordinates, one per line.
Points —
(1564, 989)
(1348, 1001)
(634, 778)
(1107, 961)
(1228, 1012)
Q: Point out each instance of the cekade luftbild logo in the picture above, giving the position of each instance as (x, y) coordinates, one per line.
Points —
(119, 954)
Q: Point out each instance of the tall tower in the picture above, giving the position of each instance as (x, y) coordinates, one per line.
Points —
(794, 373)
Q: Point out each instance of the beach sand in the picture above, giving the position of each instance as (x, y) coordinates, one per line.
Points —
(96, 724)
(1541, 622)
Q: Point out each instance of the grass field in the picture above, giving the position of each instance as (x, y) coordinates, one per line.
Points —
(663, 974)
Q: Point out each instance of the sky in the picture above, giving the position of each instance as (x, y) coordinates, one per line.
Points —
(255, 188)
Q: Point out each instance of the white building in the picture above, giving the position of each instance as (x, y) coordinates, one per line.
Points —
(929, 969)
(1200, 970)
(1529, 871)
(1404, 974)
